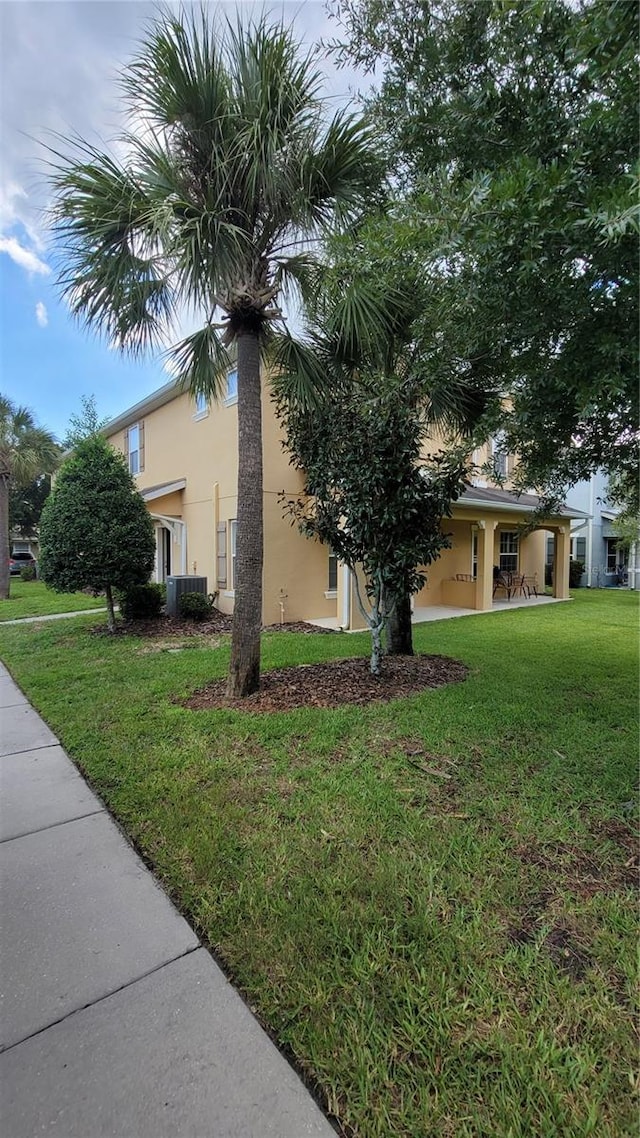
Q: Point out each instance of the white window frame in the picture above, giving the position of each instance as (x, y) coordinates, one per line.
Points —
(232, 388)
(613, 550)
(332, 590)
(474, 554)
(202, 407)
(511, 541)
(500, 457)
(133, 453)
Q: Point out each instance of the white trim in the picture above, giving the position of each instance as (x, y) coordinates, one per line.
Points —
(331, 594)
(201, 415)
(178, 530)
(346, 597)
(513, 506)
(162, 491)
(230, 401)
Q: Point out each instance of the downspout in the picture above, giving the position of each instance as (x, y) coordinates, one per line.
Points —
(589, 565)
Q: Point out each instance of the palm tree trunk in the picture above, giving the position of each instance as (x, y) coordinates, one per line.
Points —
(5, 578)
(399, 635)
(244, 667)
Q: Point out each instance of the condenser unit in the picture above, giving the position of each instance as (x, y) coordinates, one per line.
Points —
(178, 586)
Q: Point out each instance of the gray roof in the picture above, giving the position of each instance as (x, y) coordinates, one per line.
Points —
(507, 500)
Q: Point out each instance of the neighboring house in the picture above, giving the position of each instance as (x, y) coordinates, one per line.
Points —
(183, 455)
(594, 540)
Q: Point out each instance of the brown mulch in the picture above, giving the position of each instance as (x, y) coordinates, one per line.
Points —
(335, 683)
(218, 622)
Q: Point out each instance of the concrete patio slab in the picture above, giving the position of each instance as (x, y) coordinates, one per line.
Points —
(39, 789)
(81, 918)
(177, 1053)
(24, 730)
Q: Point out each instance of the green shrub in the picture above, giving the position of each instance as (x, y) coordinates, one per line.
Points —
(28, 573)
(142, 602)
(576, 569)
(195, 606)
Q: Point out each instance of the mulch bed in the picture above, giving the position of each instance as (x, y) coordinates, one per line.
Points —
(218, 622)
(335, 684)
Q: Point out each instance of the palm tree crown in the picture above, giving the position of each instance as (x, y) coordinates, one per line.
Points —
(26, 450)
(231, 169)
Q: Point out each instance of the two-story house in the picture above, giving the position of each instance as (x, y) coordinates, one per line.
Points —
(183, 455)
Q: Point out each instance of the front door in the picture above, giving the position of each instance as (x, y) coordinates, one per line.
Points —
(163, 557)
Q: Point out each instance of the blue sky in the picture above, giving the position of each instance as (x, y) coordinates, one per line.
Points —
(58, 65)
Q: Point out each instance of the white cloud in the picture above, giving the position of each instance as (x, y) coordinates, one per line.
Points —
(23, 257)
(41, 314)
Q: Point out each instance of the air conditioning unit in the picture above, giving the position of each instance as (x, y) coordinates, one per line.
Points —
(178, 586)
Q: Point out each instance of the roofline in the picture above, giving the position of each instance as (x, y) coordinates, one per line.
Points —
(157, 399)
(521, 506)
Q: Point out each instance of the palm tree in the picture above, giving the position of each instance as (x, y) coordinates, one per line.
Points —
(230, 171)
(25, 452)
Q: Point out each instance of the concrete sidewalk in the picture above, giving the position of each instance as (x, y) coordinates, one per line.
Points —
(115, 1020)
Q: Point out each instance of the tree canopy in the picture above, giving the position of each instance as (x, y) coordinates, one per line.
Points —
(95, 530)
(27, 451)
(513, 128)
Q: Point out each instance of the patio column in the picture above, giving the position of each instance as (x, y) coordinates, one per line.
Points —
(484, 580)
(561, 564)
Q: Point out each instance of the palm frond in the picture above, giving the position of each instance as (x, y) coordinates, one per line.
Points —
(200, 363)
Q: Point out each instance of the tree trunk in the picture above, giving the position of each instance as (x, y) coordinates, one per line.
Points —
(399, 632)
(5, 577)
(244, 667)
(111, 612)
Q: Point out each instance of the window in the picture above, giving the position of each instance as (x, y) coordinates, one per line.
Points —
(134, 447)
(579, 549)
(222, 555)
(550, 549)
(500, 457)
(612, 554)
(474, 554)
(232, 386)
(233, 534)
(332, 584)
(202, 406)
(508, 552)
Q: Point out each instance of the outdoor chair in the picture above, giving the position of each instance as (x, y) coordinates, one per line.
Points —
(502, 581)
(531, 585)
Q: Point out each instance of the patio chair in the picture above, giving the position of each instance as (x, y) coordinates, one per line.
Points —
(517, 585)
(502, 581)
(531, 585)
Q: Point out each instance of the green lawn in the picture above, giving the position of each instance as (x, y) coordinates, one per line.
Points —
(447, 952)
(33, 598)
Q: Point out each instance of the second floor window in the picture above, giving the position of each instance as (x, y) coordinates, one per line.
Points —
(134, 447)
(500, 457)
(232, 386)
(202, 404)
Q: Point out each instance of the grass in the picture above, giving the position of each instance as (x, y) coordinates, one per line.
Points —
(446, 955)
(33, 598)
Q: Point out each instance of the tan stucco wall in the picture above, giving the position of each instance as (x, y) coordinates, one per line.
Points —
(203, 450)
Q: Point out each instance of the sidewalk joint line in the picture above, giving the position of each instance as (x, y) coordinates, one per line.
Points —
(100, 999)
(25, 751)
(53, 826)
